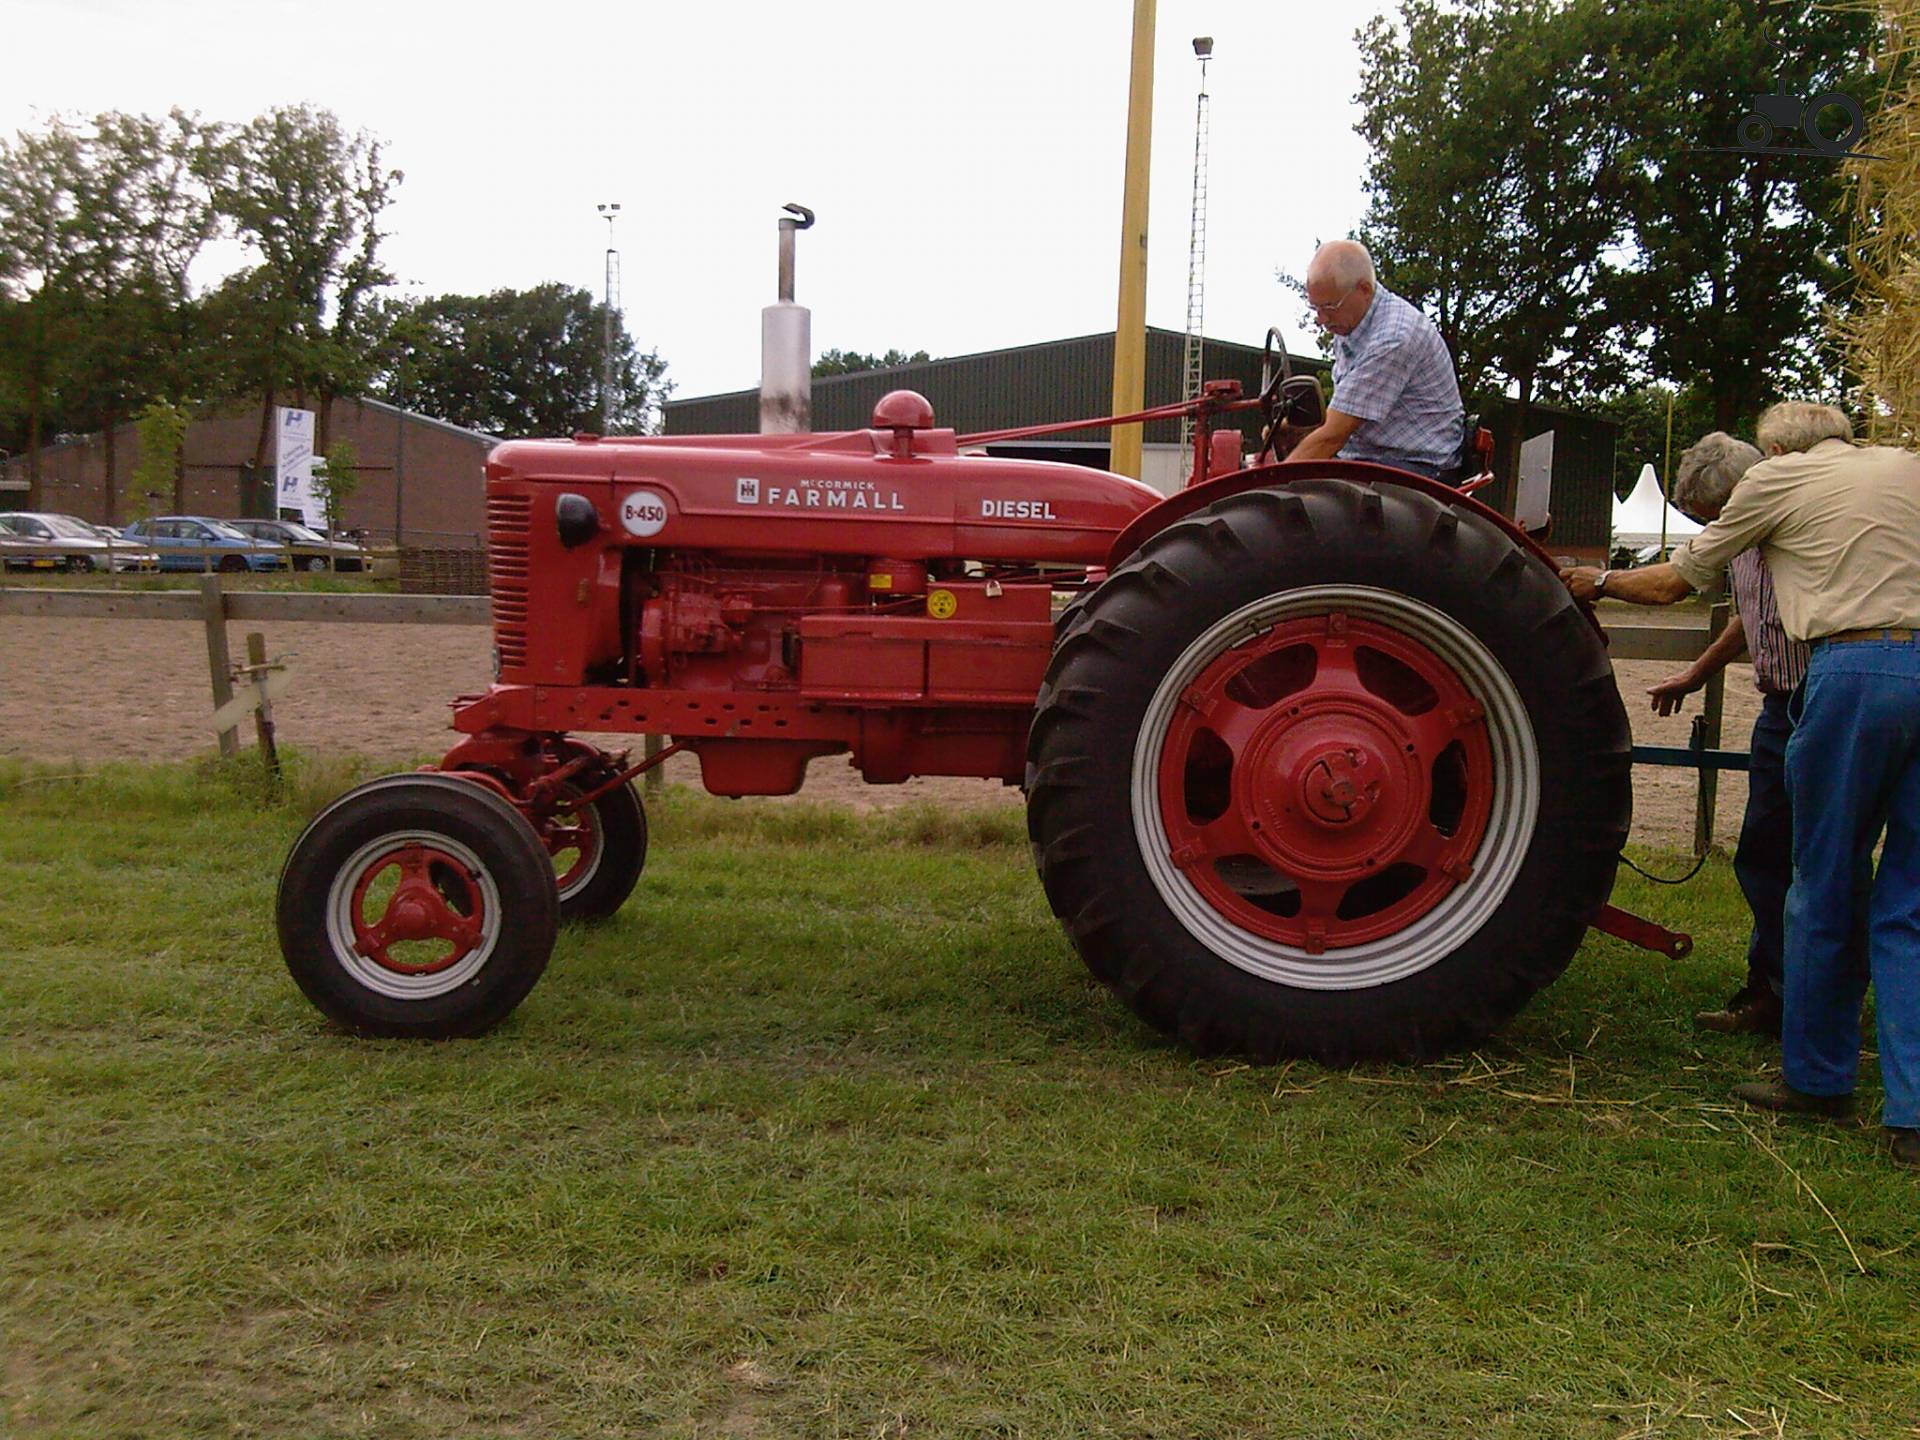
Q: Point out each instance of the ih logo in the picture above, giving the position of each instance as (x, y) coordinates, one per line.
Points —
(643, 513)
(746, 491)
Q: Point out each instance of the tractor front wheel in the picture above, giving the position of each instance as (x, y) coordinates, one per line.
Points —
(417, 906)
(598, 849)
(1336, 769)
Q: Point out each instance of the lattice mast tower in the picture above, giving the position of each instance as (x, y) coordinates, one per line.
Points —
(609, 212)
(1191, 369)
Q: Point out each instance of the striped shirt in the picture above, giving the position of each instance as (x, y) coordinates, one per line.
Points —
(1779, 662)
(1394, 373)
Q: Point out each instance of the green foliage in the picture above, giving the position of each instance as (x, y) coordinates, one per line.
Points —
(101, 224)
(1730, 256)
(1641, 414)
(1493, 185)
(305, 197)
(846, 362)
(1544, 181)
(517, 363)
(162, 430)
(340, 479)
(829, 1134)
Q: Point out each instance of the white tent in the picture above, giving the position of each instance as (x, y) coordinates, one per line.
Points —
(1636, 519)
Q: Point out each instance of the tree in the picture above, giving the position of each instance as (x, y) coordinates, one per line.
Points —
(1641, 414)
(38, 183)
(101, 223)
(517, 362)
(162, 431)
(305, 197)
(1730, 255)
(341, 479)
(846, 362)
(1495, 180)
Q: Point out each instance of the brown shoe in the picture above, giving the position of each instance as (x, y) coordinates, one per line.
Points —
(1905, 1145)
(1780, 1096)
(1757, 1016)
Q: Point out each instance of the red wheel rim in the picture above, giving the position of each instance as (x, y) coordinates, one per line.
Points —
(437, 898)
(577, 828)
(1326, 783)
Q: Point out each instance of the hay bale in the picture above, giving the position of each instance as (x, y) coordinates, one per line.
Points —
(1880, 331)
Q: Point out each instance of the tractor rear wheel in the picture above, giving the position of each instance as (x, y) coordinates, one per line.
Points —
(1336, 769)
(418, 906)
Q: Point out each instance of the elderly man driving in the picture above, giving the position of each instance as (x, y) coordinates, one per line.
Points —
(1839, 527)
(1395, 399)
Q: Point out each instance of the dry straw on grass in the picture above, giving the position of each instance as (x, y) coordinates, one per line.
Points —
(1880, 331)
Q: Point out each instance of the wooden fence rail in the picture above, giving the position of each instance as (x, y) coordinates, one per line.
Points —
(213, 605)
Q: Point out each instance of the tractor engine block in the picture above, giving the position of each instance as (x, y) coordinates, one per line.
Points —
(765, 600)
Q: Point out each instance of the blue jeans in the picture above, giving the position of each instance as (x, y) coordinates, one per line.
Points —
(1853, 767)
(1764, 862)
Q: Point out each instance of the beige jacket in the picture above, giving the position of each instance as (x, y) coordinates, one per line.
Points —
(1839, 527)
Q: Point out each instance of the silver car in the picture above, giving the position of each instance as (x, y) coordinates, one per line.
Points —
(80, 547)
(307, 549)
(19, 552)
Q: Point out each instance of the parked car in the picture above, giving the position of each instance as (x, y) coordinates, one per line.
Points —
(200, 542)
(307, 549)
(22, 552)
(78, 546)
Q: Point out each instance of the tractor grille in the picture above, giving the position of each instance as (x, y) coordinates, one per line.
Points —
(508, 520)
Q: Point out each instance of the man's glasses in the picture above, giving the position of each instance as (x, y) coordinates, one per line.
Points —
(1333, 305)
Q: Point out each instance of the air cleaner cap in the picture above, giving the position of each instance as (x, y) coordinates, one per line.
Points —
(903, 410)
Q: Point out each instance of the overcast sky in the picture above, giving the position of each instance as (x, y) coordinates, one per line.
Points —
(965, 159)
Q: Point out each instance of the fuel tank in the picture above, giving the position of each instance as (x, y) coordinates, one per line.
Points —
(857, 492)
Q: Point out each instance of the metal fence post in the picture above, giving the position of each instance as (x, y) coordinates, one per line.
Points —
(1712, 699)
(213, 609)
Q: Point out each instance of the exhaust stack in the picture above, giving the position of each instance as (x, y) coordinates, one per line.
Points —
(786, 345)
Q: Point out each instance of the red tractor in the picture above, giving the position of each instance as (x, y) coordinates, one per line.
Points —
(1320, 759)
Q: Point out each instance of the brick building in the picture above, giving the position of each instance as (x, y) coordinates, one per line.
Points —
(421, 479)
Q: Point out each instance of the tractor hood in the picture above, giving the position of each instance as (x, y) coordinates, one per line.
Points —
(859, 492)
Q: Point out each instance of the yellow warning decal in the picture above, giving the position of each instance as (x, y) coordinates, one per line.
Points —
(941, 604)
(879, 582)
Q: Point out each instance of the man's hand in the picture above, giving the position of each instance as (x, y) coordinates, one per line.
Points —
(1583, 581)
(1668, 694)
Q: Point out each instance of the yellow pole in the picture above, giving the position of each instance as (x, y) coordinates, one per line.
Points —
(1666, 468)
(1130, 329)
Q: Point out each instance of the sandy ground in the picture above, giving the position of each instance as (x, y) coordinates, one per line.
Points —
(83, 691)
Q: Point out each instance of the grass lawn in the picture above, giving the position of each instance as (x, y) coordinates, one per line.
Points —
(829, 1134)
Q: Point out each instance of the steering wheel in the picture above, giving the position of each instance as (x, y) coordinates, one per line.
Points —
(1273, 379)
(1273, 383)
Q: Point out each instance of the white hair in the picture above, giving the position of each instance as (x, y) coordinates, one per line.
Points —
(1709, 469)
(1797, 425)
(1345, 262)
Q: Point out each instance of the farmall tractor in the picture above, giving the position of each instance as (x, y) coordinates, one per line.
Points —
(1320, 759)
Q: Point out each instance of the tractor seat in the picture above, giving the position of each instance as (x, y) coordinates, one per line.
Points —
(1475, 457)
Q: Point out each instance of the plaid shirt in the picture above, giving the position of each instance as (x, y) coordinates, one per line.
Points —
(1779, 661)
(1395, 374)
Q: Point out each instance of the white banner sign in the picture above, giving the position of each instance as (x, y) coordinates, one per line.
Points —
(293, 464)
